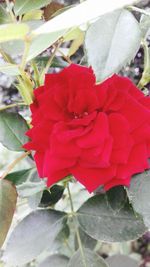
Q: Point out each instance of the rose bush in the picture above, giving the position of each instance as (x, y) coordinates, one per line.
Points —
(99, 133)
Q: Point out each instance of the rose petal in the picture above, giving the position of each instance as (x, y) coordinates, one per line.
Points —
(93, 178)
(97, 135)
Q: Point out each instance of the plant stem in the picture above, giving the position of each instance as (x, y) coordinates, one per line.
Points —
(76, 227)
(70, 198)
(65, 57)
(13, 105)
(45, 70)
(25, 54)
(36, 73)
(25, 90)
(14, 163)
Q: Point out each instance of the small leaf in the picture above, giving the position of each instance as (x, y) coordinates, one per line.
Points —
(33, 15)
(20, 177)
(13, 31)
(105, 222)
(111, 42)
(22, 7)
(77, 42)
(87, 241)
(9, 69)
(52, 196)
(72, 34)
(121, 260)
(8, 199)
(32, 236)
(90, 259)
(117, 197)
(139, 195)
(13, 128)
(55, 261)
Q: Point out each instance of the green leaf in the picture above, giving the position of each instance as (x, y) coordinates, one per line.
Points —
(139, 195)
(33, 15)
(90, 259)
(34, 200)
(42, 42)
(87, 241)
(55, 261)
(77, 42)
(73, 34)
(63, 234)
(32, 236)
(20, 177)
(80, 14)
(112, 42)
(9, 69)
(116, 197)
(52, 196)
(28, 182)
(13, 48)
(22, 7)
(121, 260)
(30, 188)
(13, 31)
(16, 47)
(32, 185)
(4, 16)
(29, 185)
(13, 128)
(105, 222)
(8, 199)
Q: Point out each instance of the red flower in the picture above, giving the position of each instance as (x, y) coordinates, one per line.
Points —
(98, 133)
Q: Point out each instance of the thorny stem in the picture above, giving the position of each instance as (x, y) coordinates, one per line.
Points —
(13, 105)
(25, 54)
(76, 227)
(56, 47)
(14, 163)
(65, 57)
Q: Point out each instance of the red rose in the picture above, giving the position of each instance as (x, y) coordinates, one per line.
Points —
(98, 133)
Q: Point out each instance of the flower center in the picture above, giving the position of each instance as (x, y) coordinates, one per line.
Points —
(80, 116)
